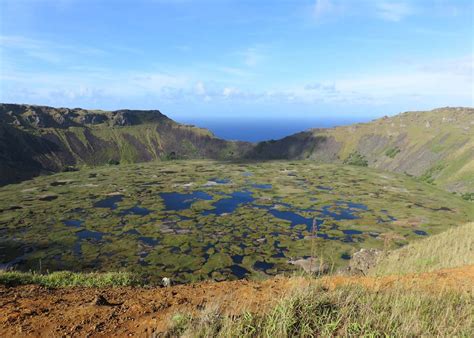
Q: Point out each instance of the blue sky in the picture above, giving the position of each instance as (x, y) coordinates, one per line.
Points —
(247, 59)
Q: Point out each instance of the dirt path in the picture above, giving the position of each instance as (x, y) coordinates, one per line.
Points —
(38, 311)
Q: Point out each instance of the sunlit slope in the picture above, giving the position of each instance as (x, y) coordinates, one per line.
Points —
(437, 146)
(449, 249)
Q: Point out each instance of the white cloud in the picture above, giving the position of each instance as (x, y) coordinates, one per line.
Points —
(322, 8)
(228, 91)
(393, 10)
(200, 89)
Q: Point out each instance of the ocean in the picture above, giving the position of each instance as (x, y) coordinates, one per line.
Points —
(261, 130)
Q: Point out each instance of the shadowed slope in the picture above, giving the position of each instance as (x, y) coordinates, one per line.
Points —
(36, 140)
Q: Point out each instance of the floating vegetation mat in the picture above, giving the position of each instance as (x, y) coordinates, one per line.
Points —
(194, 220)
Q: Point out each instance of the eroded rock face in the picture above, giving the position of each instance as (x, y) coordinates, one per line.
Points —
(362, 261)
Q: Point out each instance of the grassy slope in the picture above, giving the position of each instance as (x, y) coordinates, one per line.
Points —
(345, 311)
(437, 145)
(63, 279)
(452, 248)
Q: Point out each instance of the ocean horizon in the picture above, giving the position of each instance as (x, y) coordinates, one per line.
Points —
(257, 130)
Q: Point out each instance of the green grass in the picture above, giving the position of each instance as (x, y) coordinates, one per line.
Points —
(428, 175)
(392, 152)
(452, 248)
(469, 196)
(346, 311)
(63, 279)
(357, 159)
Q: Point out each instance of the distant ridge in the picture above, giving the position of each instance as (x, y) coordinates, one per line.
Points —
(437, 146)
(40, 139)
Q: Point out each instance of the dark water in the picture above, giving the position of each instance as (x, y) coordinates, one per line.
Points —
(420, 232)
(136, 210)
(88, 234)
(237, 259)
(230, 204)
(109, 202)
(263, 266)
(238, 271)
(220, 180)
(73, 223)
(352, 232)
(343, 213)
(345, 256)
(177, 201)
(149, 241)
(294, 218)
(262, 186)
(256, 130)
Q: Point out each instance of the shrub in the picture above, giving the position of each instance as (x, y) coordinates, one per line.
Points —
(392, 152)
(357, 159)
(468, 196)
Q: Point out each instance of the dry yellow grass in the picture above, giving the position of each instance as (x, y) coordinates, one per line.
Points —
(452, 248)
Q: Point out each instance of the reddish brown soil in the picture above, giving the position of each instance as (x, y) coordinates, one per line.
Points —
(38, 311)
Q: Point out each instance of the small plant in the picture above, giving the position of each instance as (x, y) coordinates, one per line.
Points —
(468, 196)
(113, 162)
(392, 152)
(357, 159)
(429, 175)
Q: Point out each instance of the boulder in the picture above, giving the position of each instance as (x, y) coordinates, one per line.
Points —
(362, 261)
(311, 265)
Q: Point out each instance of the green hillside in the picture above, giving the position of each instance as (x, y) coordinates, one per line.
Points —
(451, 248)
(36, 140)
(436, 146)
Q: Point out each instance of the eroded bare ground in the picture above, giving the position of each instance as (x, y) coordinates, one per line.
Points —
(38, 311)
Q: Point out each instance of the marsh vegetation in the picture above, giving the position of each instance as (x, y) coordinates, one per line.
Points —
(195, 220)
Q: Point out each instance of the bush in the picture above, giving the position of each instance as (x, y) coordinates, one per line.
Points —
(392, 152)
(428, 176)
(468, 196)
(113, 162)
(357, 159)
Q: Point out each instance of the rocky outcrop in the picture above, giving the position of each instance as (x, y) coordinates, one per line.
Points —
(362, 261)
(311, 265)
